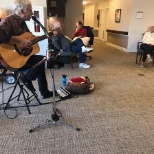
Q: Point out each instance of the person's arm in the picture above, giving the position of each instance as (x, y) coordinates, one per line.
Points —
(146, 38)
(23, 42)
(84, 32)
(75, 33)
(5, 37)
(55, 42)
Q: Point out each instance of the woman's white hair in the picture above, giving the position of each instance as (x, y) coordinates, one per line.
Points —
(20, 5)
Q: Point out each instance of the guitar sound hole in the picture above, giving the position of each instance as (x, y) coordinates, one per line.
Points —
(27, 51)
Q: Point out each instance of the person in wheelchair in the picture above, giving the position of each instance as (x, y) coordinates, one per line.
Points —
(62, 44)
(148, 45)
(14, 25)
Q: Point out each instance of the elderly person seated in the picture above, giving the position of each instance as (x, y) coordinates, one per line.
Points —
(148, 45)
(81, 32)
(62, 44)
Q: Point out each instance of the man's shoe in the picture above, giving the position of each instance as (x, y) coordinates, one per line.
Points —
(89, 49)
(83, 49)
(48, 94)
(27, 83)
(86, 49)
(83, 65)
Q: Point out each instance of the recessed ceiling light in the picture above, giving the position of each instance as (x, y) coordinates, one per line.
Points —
(84, 2)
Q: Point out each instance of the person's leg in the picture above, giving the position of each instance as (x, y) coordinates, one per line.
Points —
(39, 73)
(82, 59)
(78, 42)
(78, 50)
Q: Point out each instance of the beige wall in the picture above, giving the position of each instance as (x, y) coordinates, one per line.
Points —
(89, 12)
(129, 23)
(73, 14)
(139, 26)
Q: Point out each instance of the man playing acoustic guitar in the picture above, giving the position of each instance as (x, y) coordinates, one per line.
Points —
(11, 28)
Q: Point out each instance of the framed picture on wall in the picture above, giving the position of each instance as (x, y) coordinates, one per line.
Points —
(32, 25)
(117, 15)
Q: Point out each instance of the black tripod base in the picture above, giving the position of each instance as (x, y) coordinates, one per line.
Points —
(55, 117)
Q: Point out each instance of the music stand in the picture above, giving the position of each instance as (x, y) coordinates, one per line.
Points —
(56, 116)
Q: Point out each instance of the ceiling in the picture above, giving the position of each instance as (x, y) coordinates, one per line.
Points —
(92, 1)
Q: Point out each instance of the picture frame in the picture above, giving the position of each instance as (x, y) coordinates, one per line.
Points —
(117, 15)
(139, 15)
(34, 28)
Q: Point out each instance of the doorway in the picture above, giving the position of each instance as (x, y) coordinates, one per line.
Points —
(103, 24)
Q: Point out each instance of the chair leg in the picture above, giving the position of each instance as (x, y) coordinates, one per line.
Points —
(26, 97)
(136, 58)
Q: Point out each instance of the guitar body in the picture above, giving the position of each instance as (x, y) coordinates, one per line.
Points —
(11, 57)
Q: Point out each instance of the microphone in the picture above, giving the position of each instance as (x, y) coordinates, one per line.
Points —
(43, 28)
(35, 19)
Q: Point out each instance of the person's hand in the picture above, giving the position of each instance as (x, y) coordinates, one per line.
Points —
(76, 29)
(61, 50)
(25, 43)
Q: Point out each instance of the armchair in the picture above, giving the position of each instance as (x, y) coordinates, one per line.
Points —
(140, 53)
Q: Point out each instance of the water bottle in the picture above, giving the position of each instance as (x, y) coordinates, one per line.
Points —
(64, 80)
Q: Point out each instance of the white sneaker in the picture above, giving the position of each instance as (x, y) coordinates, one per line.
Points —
(83, 65)
(150, 60)
(86, 49)
(89, 49)
(83, 49)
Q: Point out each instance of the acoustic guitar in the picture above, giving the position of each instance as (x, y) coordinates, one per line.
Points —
(14, 55)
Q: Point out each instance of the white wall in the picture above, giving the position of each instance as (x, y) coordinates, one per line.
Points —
(139, 26)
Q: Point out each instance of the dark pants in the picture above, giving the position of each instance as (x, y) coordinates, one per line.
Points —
(76, 48)
(36, 72)
(147, 50)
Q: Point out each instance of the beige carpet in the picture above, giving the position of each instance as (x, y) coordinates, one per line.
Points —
(116, 118)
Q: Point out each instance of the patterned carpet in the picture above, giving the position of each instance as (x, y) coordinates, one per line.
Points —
(116, 118)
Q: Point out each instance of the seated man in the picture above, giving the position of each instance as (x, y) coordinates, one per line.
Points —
(147, 45)
(81, 32)
(14, 25)
(62, 44)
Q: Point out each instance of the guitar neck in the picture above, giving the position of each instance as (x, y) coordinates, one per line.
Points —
(34, 41)
(38, 39)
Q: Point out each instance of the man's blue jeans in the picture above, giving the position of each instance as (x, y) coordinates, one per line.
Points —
(76, 48)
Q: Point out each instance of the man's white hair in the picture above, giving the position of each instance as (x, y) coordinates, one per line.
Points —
(20, 5)
(56, 25)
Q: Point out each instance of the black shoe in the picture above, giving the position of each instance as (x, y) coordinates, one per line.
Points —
(48, 94)
(27, 83)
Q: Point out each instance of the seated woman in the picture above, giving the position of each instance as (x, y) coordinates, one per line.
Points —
(81, 32)
(62, 44)
(148, 45)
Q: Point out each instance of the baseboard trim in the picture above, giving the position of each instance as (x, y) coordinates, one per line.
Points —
(116, 46)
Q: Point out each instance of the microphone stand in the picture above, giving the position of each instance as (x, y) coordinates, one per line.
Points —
(56, 116)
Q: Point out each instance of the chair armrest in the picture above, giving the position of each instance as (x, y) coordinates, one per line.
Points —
(139, 44)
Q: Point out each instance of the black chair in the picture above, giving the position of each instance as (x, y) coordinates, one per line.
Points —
(140, 53)
(90, 34)
(66, 58)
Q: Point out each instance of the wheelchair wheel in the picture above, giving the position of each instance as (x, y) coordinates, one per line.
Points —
(10, 79)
